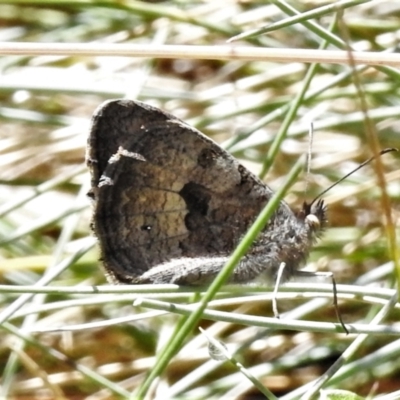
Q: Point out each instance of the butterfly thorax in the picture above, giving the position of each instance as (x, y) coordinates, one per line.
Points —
(287, 241)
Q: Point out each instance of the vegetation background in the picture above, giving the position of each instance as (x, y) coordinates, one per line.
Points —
(74, 344)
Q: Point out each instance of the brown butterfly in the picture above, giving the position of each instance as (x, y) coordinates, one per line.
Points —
(170, 205)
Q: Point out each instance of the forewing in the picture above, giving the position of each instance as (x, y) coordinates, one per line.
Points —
(163, 190)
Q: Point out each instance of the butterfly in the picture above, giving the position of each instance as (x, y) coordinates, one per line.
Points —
(170, 205)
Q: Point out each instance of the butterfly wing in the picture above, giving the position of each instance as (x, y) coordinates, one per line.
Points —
(164, 191)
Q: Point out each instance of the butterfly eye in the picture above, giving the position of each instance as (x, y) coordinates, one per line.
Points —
(313, 221)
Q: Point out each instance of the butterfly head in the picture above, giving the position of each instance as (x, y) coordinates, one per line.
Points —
(314, 216)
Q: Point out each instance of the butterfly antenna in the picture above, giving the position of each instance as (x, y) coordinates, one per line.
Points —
(382, 152)
(309, 154)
